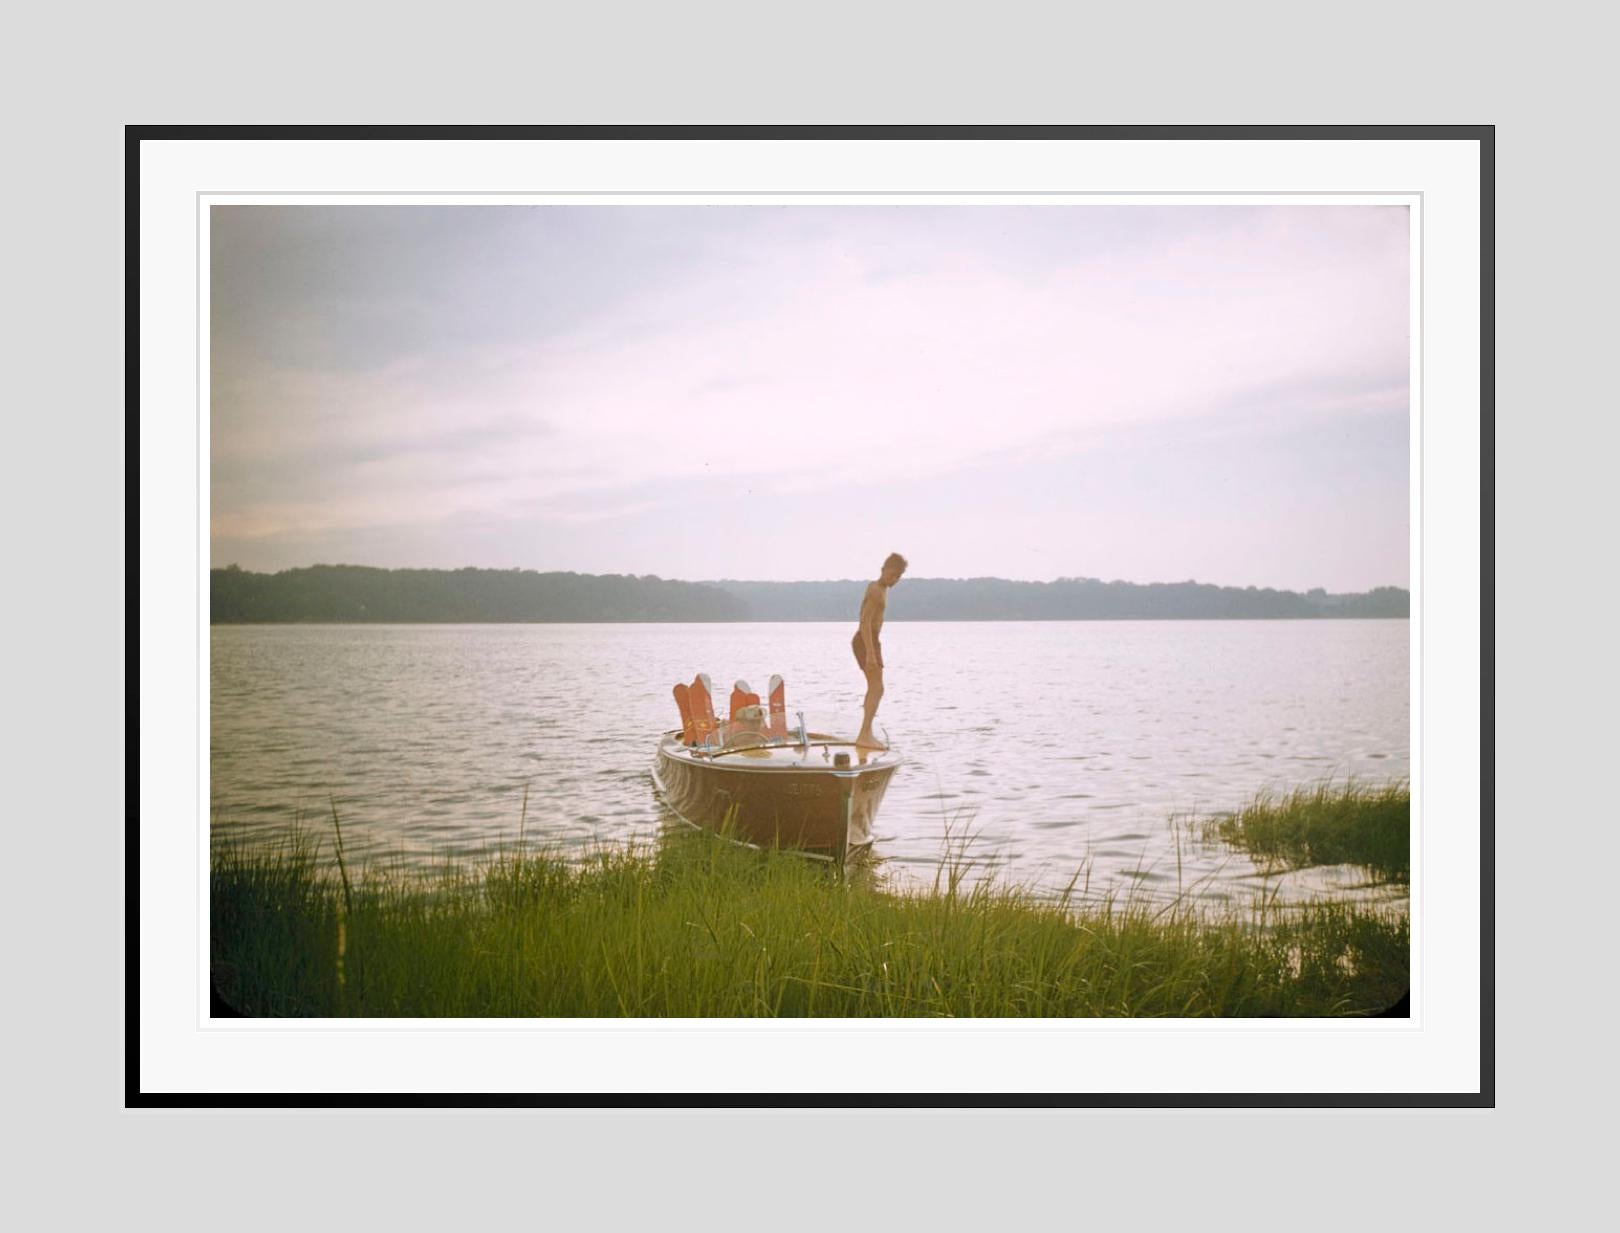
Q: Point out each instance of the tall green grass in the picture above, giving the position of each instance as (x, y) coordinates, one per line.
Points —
(696, 927)
(1327, 824)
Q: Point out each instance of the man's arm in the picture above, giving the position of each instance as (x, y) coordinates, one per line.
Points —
(871, 604)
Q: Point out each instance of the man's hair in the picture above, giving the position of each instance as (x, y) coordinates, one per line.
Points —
(894, 558)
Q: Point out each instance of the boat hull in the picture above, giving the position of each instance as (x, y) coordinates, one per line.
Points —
(775, 798)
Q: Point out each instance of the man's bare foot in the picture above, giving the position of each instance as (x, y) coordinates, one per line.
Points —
(867, 741)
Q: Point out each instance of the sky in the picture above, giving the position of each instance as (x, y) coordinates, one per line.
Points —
(1148, 393)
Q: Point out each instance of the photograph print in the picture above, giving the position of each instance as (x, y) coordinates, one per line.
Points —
(918, 610)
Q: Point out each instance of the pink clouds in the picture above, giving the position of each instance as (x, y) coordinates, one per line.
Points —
(822, 348)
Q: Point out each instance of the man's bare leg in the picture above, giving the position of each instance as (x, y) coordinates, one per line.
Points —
(874, 692)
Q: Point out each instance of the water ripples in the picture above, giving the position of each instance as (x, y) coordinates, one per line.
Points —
(424, 736)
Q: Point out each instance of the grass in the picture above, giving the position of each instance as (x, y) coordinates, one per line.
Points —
(695, 927)
(1327, 824)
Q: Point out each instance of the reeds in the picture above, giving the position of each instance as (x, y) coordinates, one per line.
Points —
(695, 927)
(1328, 823)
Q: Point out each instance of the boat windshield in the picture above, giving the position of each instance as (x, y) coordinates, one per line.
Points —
(754, 733)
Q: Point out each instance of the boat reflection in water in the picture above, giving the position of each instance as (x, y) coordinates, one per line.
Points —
(771, 786)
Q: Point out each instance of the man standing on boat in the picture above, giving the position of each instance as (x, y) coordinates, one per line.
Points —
(868, 650)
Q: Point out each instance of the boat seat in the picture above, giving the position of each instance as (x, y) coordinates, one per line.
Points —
(742, 696)
(700, 696)
(683, 699)
(777, 695)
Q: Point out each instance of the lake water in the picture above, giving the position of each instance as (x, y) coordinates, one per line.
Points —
(1060, 744)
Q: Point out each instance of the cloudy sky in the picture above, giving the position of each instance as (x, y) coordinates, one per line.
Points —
(1148, 393)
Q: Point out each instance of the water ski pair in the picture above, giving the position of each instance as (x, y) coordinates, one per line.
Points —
(696, 703)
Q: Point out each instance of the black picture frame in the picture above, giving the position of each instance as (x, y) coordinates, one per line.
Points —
(1484, 135)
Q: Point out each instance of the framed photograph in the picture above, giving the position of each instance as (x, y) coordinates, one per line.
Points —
(759, 617)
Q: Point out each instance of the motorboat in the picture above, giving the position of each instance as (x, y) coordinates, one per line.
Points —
(762, 780)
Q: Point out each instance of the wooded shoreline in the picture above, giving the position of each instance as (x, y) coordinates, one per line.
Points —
(360, 594)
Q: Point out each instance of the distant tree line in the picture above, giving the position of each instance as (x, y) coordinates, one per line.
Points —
(355, 593)
(455, 596)
(1067, 599)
